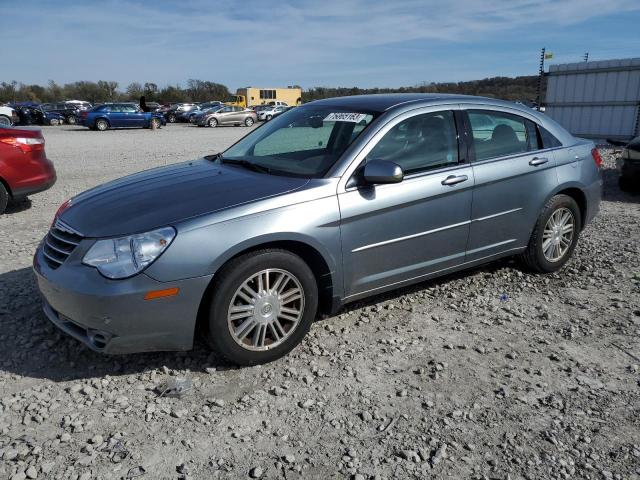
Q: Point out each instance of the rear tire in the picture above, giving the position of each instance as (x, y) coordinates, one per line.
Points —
(553, 241)
(259, 333)
(4, 198)
(71, 120)
(171, 118)
(102, 125)
(154, 123)
(5, 121)
(248, 122)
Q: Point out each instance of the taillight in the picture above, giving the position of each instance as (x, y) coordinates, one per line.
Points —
(25, 144)
(85, 114)
(596, 157)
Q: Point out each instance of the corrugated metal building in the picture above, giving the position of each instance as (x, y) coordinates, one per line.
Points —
(596, 99)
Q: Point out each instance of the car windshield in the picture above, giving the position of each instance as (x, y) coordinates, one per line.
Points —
(303, 142)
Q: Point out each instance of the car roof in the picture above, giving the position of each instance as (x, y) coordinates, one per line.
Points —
(382, 102)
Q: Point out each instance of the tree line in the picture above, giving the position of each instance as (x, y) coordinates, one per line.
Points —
(518, 88)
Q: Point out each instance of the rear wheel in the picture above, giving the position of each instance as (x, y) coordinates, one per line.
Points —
(102, 125)
(248, 122)
(263, 306)
(4, 198)
(555, 235)
(5, 121)
(155, 123)
(171, 118)
(212, 122)
(71, 120)
(54, 122)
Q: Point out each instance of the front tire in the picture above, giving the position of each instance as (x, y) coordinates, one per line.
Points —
(71, 120)
(5, 121)
(4, 198)
(263, 305)
(102, 125)
(171, 118)
(212, 122)
(555, 235)
(154, 124)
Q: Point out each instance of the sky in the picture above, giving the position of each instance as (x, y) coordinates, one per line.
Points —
(273, 43)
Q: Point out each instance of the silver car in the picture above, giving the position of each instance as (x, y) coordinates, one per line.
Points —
(227, 115)
(330, 202)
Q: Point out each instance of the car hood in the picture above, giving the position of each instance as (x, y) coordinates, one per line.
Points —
(167, 195)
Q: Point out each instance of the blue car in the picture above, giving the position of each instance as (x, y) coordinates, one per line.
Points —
(120, 115)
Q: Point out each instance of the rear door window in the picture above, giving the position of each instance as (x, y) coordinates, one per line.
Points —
(498, 134)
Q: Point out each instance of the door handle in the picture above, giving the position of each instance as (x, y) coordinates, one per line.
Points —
(454, 179)
(534, 162)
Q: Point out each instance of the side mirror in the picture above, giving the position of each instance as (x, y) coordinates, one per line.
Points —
(382, 171)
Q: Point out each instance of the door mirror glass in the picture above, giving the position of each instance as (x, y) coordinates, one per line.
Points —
(382, 171)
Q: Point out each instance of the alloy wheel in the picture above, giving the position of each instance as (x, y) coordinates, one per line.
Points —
(558, 234)
(266, 309)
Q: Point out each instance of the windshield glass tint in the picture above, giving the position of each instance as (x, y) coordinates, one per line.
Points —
(304, 141)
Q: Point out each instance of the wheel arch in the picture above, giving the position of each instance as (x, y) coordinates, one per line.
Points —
(575, 191)
(319, 265)
(7, 187)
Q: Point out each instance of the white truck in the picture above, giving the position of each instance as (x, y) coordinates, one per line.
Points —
(8, 116)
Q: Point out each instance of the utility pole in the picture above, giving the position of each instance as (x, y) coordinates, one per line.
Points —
(586, 56)
(540, 77)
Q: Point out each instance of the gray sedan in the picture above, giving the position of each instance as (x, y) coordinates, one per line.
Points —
(331, 202)
(227, 115)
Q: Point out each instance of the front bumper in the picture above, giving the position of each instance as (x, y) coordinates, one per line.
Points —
(112, 316)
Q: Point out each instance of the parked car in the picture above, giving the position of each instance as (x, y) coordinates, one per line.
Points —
(8, 116)
(268, 113)
(35, 115)
(81, 104)
(188, 115)
(69, 111)
(120, 115)
(277, 103)
(629, 165)
(228, 115)
(24, 167)
(337, 200)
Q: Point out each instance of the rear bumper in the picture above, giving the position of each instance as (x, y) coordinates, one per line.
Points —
(43, 178)
(112, 316)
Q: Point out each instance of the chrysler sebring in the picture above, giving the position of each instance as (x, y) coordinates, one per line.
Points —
(330, 202)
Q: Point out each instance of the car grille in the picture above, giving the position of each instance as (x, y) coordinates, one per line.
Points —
(59, 243)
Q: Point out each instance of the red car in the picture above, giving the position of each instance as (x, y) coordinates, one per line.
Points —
(24, 166)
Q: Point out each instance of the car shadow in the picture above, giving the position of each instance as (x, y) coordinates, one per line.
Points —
(31, 346)
(18, 206)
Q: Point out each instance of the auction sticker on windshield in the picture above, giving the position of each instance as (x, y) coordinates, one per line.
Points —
(345, 117)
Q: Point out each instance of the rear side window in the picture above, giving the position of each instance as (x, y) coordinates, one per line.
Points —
(497, 134)
(547, 138)
(419, 143)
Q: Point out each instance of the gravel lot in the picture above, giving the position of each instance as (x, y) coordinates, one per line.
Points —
(492, 373)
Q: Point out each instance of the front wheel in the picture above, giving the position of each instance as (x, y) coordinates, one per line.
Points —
(269, 117)
(154, 124)
(102, 125)
(555, 235)
(5, 121)
(212, 122)
(4, 198)
(171, 118)
(71, 120)
(263, 306)
(54, 122)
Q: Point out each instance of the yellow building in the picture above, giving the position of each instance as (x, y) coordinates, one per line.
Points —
(250, 96)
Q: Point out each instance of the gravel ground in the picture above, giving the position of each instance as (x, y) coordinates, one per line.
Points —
(491, 373)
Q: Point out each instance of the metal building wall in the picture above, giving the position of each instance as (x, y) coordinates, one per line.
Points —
(596, 99)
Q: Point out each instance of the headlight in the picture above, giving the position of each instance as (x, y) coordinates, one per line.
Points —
(125, 256)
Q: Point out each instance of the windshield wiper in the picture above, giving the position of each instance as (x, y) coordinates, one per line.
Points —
(246, 164)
